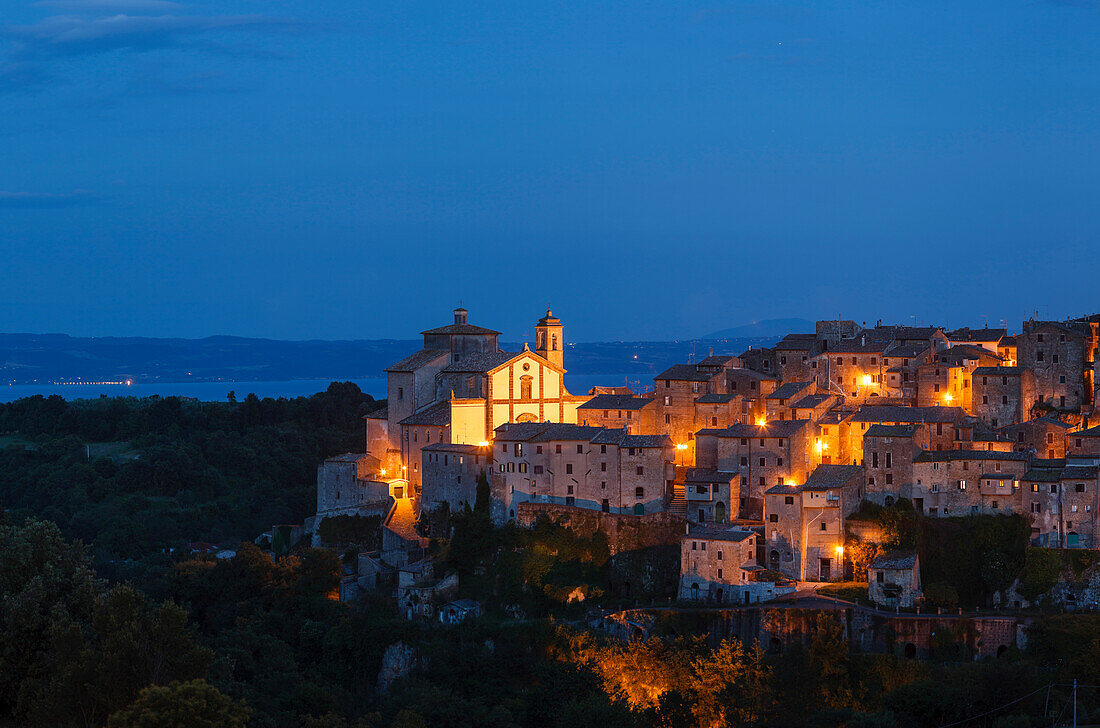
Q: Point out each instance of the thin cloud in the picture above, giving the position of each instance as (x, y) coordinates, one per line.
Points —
(116, 5)
(45, 200)
(66, 36)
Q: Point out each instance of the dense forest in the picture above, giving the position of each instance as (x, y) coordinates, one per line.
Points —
(106, 619)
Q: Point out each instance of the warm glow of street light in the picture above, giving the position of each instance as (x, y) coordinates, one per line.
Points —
(947, 398)
(682, 446)
(382, 471)
(866, 380)
(483, 443)
(840, 552)
(821, 445)
(761, 421)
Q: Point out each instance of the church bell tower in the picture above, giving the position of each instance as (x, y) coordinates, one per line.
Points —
(548, 339)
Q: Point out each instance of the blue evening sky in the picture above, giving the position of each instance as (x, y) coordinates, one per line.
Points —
(350, 169)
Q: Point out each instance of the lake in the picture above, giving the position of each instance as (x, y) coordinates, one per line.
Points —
(217, 391)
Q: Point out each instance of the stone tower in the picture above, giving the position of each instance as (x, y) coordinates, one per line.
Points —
(549, 341)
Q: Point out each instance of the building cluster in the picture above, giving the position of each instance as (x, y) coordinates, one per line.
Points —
(764, 454)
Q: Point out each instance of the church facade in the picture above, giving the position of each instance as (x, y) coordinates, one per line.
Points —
(460, 387)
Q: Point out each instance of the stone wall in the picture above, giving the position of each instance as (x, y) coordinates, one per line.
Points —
(623, 532)
(777, 628)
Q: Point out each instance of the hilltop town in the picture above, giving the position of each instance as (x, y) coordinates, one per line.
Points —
(761, 467)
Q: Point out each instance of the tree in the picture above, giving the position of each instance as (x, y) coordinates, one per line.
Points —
(192, 704)
(45, 583)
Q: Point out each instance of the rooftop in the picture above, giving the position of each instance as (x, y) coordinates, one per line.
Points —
(415, 361)
(438, 414)
(616, 402)
(710, 532)
(685, 373)
(825, 477)
(894, 560)
(789, 390)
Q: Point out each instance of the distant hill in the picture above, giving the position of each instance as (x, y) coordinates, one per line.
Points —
(44, 358)
(768, 328)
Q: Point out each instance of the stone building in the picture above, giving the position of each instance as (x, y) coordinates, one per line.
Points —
(1003, 395)
(576, 465)
(946, 379)
(460, 387)
(722, 410)
(938, 433)
(1063, 357)
(450, 474)
(762, 360)
(888, 454)
(949, 482)
(1044, 436)
(712, 496)
(854, 369)
(893, 580)
(1062, 502)
(793, 355)
(1084, 445)
(638, 414)
(779, 403)
(676, 390)
(717, 564)
(763, 455)
(352, 484)
(804, 524)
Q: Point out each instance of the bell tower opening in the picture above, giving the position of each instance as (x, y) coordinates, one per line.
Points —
(549, 341)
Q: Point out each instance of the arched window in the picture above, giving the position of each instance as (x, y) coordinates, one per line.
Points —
(555, 340)
(720, 512)
(525, 385)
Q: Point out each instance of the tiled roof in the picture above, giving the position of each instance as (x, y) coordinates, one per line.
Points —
(455, 447)
(616, 402)
(716, 360)
(797, 342)
(832, 476)
(891, 431)
(783, 490)
(414, 361)
(775, 428)
(710, 532)
(811, 400)
(715, 399)
(968, 334)
(998, 476)
(965, 352)
(897, 413)
(788, 390)
(624, 439)
(942, 456)
(552, 431)
(438, 414)
(1090, 432)
(894, 560)
(481, 362)
(348, 457)
(685, 373)
(380, 413)
(460, 329)
(518, 431)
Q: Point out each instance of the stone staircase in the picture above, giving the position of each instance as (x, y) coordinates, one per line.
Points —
(678, 505)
